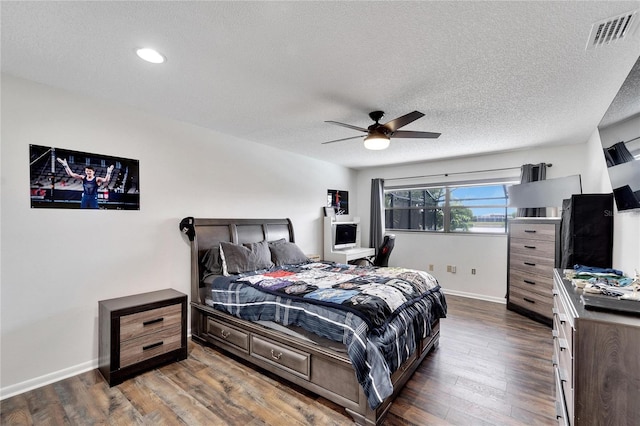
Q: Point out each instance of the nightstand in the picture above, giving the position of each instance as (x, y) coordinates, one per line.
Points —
(141, 332)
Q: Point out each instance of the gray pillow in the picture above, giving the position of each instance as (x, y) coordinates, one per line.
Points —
(249, 257)
(285, 253)
(211, 264)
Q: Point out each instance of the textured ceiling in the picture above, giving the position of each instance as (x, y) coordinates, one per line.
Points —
(489, 76)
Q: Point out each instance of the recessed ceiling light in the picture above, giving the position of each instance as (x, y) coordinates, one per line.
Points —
(150, 55)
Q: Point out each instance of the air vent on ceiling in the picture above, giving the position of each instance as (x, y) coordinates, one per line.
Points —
(612, 30)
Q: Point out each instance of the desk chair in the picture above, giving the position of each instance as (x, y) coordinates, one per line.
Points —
(382, 256)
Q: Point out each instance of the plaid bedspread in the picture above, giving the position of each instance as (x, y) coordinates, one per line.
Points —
(380, 314)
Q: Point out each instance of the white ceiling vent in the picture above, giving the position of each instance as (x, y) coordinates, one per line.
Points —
(612, 30)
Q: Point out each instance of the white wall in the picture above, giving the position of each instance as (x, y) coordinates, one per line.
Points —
(57, 264)
(485, 253)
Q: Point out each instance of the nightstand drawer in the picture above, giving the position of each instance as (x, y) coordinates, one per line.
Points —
(135, 325)
(533, 231)
(148, 346)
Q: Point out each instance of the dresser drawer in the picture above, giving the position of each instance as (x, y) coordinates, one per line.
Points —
(532, 282)
(531, 301)
(561, 321)
(281, 356)
(533, 248)
(148, 346)
(561, 406)
(533, 231)
(228, 335)
(531, 264)
(565, 374)
(150, 321)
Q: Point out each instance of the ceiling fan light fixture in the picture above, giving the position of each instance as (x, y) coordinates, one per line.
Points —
(376, 141)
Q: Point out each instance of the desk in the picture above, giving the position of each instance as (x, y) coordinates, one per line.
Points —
(344, 256)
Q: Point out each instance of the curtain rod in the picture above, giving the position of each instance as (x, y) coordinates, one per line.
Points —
(460, 173)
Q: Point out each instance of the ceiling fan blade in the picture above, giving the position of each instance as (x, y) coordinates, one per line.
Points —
(410, 134)
(345, 139)
(347, 125)
(394, 125)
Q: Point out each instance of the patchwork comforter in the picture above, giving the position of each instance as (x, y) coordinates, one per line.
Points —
(380, 314)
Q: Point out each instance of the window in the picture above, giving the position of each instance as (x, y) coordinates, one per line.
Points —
(469, 207)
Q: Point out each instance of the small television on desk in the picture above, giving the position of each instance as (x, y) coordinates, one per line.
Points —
(346, 235)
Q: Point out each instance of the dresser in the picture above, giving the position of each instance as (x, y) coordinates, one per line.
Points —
(596, 361)
(141, 332)
(533, 252)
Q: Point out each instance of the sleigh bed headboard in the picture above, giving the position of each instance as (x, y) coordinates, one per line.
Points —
(205, 234)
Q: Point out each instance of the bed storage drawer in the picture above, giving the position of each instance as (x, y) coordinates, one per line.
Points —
(228, 335)
(279, 355)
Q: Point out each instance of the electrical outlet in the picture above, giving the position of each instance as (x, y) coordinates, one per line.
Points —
(473, 271)
(453, 269)
(448, 268)
(430, 268)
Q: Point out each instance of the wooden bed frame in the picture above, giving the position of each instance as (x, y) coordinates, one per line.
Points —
(324, 371)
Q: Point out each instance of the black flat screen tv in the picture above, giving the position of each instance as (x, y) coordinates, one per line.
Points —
(345, 236)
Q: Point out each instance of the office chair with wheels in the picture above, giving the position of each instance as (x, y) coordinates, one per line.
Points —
(382, 256)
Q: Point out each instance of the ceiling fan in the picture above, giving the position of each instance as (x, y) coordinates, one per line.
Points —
(378, 135)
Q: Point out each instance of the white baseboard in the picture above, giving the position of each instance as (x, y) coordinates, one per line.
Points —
(501, 300)
(36, 382)
(56, 376)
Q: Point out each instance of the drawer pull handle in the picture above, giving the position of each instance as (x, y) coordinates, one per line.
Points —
(559, 411)
(562, 318)
(153, 321)
(528, 300)
(554, 333)
(153, 345)
(529, 282)
(529, 264)
(564, 345)
(563, 374)
(530, 247)
(225, 334)
(530, 231)
(274, 356)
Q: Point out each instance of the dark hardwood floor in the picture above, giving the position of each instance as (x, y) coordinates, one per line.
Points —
(492, 367)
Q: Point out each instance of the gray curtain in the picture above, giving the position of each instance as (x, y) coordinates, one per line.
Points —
(532, 173)
(376, 227)
(617, 154)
